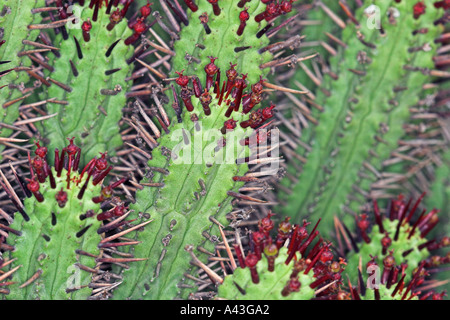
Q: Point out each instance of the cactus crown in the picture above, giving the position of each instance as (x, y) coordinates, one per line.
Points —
(54, 240)
(286, 266)
(397, 237)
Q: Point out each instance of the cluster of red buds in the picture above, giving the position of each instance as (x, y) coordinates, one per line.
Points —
(445, 4)
(230, 92)
(297, 240)
(402, 213)
(274, 9)
(393, 283)
(398, 242)
(419, 9)
(137, 24)
(69, 159)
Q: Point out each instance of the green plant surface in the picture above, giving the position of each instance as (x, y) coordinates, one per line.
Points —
(176, 202)
(362, 102)
(399, 247)
(56, 239)
(180, 207)
(88, 114)
(271, 283)
(15, 18)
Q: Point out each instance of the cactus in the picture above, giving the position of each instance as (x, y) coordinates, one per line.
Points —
(439, 198)
(181, 211)
(187, 196)
(392, 283)
(382, 72)
(223, 41)
(55, 234)
(88, 79)
(239, 285)
(270, 271)
(16, 50)
(397, 234)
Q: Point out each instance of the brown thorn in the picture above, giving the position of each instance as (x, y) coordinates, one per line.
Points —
(28, 121)
(336, 39)
(160, 48)
(158, 73)
(151, 124)
(228, 250)
(60, 84)
(332, 15)
(117, 235)
(9, 103)
(11, 189)
(51, 25)
(28, 52)
(212, 275)
(33, 278)
(10, 272)
(44, 9)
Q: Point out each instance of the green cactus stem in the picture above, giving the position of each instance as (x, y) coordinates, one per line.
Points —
(88, 78)
(219, 90)
(278, 268)
(16, 51)
(401, 232)
(380, 75)
(53, 241)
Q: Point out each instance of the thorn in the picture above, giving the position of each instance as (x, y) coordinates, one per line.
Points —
(228, 250)
(74, 68)
(10, 103)
(28, 52)
(28, 121)
(332, 15)
(79, 52)
(117, 235)
(119, 260)
(215, 278)
(110, 72)
(60, 84)
(324, 287)
(349, 14)
(111, 47)
(10, 272)
(51, 25)
(159, 74)
(33, 278)
(276, 87)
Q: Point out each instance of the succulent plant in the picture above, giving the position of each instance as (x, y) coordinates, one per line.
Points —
(88, 78)
(53, 239)
(400, 233)
(392, 284)
(17, 49)
(375, 81)
(281, 268)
